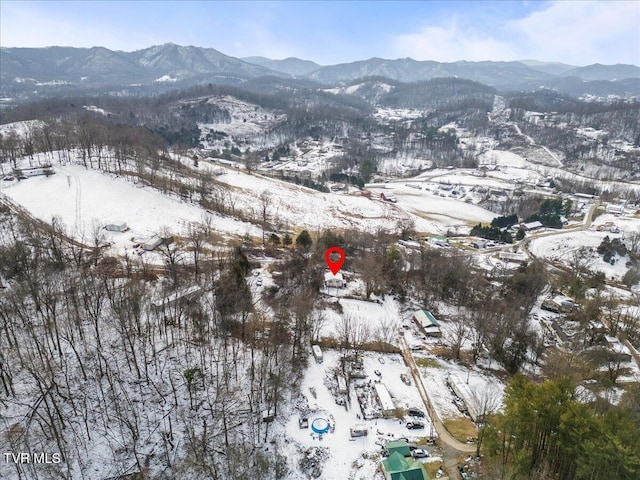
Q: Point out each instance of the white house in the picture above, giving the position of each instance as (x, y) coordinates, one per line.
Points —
(615, 209)
(334, 281)
(532, 226)
(512, 257)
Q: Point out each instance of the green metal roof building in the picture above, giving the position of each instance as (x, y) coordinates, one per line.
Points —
(401, 447)
(397, 467)
(425, 317)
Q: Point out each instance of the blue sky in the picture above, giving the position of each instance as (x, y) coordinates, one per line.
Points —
(329, 32)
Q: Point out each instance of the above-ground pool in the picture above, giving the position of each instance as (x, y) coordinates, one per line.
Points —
(320, 425)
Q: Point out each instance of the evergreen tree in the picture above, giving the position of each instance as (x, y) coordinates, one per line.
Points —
(304, 240)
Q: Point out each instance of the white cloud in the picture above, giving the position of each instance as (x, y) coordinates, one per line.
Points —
(582, 33)
(578, 33)
(451, 43)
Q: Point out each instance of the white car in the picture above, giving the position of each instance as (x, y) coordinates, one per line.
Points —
(420, 453)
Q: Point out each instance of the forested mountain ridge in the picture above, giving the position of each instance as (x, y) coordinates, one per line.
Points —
(28, 72)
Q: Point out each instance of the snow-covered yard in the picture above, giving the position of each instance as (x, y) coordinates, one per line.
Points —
(480, 391)
(354, 458)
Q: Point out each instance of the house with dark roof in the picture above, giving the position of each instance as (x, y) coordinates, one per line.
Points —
(397, 467)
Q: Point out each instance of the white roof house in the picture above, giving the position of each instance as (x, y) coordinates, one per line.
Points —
(334, 281)
(512, 257)
(532, 226)
(615, 209)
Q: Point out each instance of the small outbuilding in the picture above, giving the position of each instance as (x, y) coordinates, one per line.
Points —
(615, 209)
(116, 227)
(388, 197)
(428, 323)
(385, 400)
(317, 353)
(399, 446)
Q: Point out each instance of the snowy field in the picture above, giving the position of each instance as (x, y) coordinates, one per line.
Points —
(85, 199)
(296, 207)
(441, 211)
(380, 321)
(247, 121)
(567, 248)
(627, 224)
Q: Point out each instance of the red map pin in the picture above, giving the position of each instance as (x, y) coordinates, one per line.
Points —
(334, 266)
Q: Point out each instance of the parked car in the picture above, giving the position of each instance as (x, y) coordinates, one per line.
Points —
(259, 281)
(415, 425)
(463, 474)
(405, 379)
(415, 412)
(420, 453)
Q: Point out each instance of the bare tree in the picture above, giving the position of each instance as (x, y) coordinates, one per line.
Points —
(487, 401)
(457, 335)
(265, 203)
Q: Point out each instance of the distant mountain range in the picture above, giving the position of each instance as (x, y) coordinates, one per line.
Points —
(291, 66)
(28, 70)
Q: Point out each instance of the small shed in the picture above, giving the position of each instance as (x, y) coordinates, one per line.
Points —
(317, 353)
(428, 323)
(268, 416)
(388, 197)
(399, 446)
(152, 244)
(303, 421)
(116, 227)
